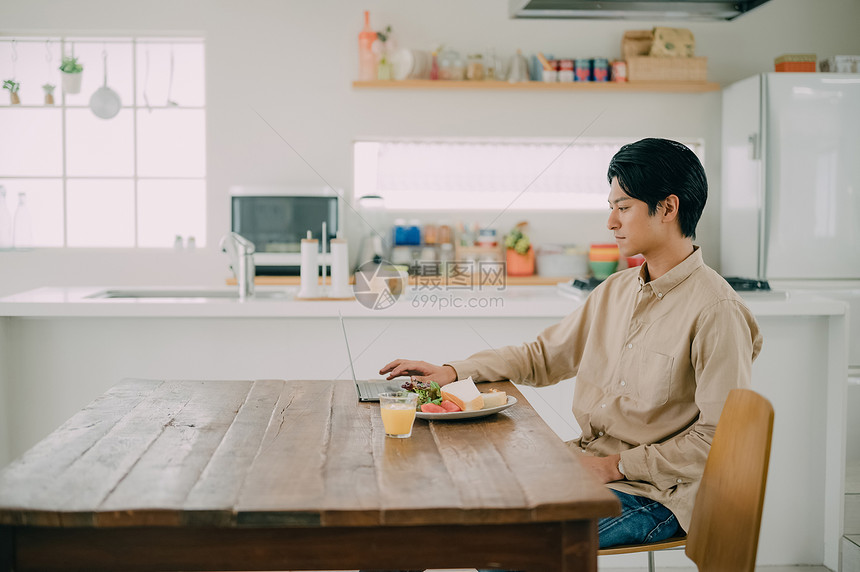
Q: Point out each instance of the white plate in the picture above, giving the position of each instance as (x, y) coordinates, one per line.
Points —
(465, 414)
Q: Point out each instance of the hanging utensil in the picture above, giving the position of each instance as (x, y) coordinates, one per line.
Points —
(105, 102)
(170, 102)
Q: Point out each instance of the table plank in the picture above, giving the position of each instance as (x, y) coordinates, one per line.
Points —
(351, 496)
(80, 489)
(284, 485)
(568, 491)
(215, 494)
(414, 483)
(489, 489)
(155, 488)
(28, 486)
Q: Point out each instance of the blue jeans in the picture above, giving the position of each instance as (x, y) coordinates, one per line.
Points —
(641, 521)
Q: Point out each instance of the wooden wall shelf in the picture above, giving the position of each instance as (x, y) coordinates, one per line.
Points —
(632, 86)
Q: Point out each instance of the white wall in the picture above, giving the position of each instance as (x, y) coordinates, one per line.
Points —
(292, 62)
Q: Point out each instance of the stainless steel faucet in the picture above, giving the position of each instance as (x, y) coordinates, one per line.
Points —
(241, 253)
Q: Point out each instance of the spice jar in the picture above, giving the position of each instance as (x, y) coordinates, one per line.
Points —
(475, 67)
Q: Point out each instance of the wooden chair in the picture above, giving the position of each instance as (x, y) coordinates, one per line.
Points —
(724, 530)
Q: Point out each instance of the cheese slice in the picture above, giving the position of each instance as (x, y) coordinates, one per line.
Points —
(465, 394)
(494, 398)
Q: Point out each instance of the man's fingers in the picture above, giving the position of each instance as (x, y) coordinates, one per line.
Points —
(390, 366)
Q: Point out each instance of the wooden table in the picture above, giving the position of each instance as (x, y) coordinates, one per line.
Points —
(295, 475)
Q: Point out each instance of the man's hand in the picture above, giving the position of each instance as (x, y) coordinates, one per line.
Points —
(604, 468)
(420, 371)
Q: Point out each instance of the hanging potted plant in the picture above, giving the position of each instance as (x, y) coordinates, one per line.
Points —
(13, 87)
(519, 254)
(72, 73)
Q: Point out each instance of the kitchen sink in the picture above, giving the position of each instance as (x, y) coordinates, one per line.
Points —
(180, 293)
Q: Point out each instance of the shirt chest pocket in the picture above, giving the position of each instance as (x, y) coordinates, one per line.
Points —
(648, 377)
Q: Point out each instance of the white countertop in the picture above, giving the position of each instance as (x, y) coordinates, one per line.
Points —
(511, 302)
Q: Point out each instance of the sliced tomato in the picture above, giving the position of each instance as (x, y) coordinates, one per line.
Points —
(450, 406)
(432, 408)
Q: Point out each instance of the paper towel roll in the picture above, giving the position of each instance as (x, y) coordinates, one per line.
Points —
(339, 270)
(310, 287)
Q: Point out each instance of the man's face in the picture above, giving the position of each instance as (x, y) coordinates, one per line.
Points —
(636, 232)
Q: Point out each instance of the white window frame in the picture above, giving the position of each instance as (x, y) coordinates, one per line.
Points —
(459, 190)
(65, 43)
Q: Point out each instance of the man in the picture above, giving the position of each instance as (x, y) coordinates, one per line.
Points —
(655, 350)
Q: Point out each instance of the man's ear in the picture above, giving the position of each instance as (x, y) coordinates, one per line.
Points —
(670, 208)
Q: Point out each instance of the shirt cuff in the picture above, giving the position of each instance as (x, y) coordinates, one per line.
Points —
(463, 369)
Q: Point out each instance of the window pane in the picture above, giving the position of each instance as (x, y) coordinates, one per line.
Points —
(119, 71)
(37, 64)
(99, 147)
(167, 208)
(171, 143)
(154, 74)
(499, 174)
(44, 199)
(100, 212)
(31, 142)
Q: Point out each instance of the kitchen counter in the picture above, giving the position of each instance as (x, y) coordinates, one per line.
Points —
(60, 348)
(510, 302)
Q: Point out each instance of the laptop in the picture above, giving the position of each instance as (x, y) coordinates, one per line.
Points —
(368, 389)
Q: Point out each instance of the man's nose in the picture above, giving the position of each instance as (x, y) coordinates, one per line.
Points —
(612, 221)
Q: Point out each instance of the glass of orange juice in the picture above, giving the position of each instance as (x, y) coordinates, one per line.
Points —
(398, 412)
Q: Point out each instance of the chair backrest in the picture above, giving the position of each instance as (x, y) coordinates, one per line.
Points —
(724, 531)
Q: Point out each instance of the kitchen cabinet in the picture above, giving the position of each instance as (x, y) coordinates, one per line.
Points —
(636, 86)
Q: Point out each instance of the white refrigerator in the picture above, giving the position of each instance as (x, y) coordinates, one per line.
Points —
(791, 177)
(790, 209)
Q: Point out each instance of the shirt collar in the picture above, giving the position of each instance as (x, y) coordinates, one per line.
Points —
(676, 275)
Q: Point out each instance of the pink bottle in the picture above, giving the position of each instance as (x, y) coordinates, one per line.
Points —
(366, 58)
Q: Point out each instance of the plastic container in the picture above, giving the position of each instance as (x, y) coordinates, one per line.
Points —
(413, 232)
(562, 261)
(400, 232)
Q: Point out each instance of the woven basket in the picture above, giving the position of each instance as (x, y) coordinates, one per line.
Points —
(644, 68)
(636, 43)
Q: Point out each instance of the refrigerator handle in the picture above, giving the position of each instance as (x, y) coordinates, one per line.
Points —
(755, 146)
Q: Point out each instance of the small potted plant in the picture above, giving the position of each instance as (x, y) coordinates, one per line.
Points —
(72, 72)
(13, 87)
(48, 88)
(519, 254)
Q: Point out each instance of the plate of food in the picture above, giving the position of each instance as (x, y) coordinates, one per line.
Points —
(457, 400)
(451, 415)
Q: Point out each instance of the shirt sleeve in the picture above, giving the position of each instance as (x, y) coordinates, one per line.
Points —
(725, 342)
(554, 356)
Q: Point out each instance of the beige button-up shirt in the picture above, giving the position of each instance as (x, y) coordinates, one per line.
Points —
(654, 363)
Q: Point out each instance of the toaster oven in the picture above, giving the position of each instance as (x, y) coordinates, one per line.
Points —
(277, 218)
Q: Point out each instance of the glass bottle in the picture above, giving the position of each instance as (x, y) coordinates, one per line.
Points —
(366, 57)
(5, 221)
(22, 227)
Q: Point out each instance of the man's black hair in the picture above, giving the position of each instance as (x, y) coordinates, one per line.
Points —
(652, 169)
